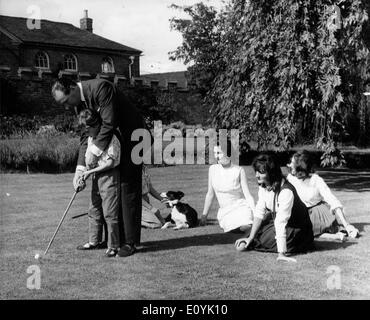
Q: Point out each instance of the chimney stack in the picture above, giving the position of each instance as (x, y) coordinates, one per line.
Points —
(86, 23)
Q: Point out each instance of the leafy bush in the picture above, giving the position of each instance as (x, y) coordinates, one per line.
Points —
(39, 153)
(23, 125)
(332, 156)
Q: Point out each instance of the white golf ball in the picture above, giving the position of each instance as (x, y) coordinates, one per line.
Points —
(241, 246)
(37, 256)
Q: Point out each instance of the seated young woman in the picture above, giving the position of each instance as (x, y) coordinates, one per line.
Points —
(228, 183)
(281, 222)
(326, 211)
(151, 216)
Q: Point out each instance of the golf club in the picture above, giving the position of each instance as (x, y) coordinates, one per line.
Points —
(60, 223)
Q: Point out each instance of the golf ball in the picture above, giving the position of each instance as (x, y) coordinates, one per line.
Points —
(241, 246)
(37, 256)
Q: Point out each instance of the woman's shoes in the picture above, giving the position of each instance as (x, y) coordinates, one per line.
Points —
(342, 237)
(91, 246)
(352, 231)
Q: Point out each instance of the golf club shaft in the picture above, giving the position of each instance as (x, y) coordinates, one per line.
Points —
(60, 223)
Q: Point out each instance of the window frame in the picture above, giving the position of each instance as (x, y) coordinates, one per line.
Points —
(37, 60)
(110, 61)
(65, 60)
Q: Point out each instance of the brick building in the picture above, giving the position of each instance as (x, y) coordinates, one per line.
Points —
(30, 59)
(32, 55)
(61, 48)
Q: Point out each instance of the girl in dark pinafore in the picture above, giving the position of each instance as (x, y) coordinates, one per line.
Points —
(281, 222)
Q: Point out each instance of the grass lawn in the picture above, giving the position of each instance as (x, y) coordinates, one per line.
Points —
(199, 263)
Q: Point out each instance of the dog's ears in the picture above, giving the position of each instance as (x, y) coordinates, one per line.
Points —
(180, 194)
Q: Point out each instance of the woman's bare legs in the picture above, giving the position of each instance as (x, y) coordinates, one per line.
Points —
(246, 229)
(333, 236)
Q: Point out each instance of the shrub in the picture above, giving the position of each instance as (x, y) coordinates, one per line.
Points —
(39, 153)
(22, 125)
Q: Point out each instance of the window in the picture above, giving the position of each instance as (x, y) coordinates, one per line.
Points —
(42, 60)
(70, 62)
(107, 65)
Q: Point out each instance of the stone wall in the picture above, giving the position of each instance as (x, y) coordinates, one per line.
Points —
(27, 94)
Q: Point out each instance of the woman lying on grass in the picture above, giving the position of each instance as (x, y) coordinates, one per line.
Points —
(326, 211)
(281, 222)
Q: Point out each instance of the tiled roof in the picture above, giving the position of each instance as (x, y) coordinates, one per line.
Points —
(59, 33)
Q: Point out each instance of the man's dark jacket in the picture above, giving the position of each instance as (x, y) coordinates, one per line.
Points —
(116, 112)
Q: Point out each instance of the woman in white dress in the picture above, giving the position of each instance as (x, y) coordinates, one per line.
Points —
(228, 183)
(326, 211)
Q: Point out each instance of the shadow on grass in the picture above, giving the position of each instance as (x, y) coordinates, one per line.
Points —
(226, 238)
(360, 226)
(321, 245)
(196, 240)
(347, 180)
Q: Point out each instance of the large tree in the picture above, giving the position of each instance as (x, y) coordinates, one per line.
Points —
(202, 43)
(278, 62)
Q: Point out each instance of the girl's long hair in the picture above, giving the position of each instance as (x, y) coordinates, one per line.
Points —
(267, 163)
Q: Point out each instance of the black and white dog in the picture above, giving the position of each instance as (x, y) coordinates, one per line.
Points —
(182, 215)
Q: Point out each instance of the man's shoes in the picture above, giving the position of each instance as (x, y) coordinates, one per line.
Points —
(110, 253)
(126, 250)
(90, 246)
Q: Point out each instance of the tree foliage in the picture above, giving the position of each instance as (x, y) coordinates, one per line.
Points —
(278, 62)
(202, 43)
